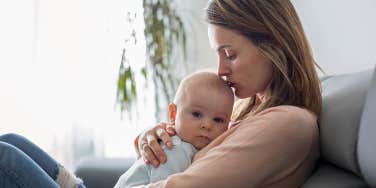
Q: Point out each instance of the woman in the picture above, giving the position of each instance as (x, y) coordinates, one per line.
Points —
(265, 57)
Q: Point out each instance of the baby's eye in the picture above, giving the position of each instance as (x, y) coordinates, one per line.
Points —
(218, 120)
(196, 114)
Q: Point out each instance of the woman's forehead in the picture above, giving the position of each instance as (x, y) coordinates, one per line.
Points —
(220, 37)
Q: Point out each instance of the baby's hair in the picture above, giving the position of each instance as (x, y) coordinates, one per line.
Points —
(205, 79)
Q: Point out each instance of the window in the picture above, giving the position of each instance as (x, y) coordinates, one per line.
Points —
(58, 72)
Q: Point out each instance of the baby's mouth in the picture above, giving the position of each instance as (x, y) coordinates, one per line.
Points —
(204, 137)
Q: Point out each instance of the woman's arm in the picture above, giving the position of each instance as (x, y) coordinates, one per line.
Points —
(275, 149)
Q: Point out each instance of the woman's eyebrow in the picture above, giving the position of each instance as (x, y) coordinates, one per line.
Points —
(223, 46)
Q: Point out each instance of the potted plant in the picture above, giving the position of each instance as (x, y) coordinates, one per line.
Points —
(165, 38)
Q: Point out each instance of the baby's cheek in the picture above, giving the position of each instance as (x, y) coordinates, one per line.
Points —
(183, 134)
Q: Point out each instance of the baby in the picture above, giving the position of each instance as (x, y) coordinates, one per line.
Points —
(200, 113)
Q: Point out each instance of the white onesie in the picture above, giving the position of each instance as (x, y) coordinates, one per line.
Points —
(178, 159)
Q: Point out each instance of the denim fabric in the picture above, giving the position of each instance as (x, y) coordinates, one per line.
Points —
(46, 162)
(25, 165)
(17, 170)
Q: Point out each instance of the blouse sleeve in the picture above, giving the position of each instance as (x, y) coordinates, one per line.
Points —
(260, 150)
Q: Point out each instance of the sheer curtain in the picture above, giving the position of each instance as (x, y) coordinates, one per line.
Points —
(59, 64)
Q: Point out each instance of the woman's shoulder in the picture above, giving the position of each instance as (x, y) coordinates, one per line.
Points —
(286, 122)
(287, 114)
(290, 113)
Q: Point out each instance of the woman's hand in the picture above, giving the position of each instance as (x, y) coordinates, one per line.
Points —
(148, 146)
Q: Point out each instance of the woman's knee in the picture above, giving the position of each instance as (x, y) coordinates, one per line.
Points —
(9, 137)
(9, 152)
(15, 140)
(18, 167)
(10, 157)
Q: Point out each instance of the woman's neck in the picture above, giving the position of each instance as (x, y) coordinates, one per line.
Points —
(261, 98)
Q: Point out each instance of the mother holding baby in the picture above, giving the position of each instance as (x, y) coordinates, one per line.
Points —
(273, 140)
(264, 55)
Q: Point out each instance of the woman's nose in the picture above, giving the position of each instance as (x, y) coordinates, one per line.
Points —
(223, 68)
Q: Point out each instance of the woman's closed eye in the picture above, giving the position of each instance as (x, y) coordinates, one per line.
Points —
(230, 55)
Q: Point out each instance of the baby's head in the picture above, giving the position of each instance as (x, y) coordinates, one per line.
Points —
(202, 108)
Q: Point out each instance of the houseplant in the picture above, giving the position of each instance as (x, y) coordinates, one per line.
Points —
(165, 38)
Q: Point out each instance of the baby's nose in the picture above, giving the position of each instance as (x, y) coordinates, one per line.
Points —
(206, 124)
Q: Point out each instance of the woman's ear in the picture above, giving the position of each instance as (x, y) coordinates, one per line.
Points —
(172, 112)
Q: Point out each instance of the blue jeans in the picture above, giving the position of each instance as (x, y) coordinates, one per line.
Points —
(25, 165)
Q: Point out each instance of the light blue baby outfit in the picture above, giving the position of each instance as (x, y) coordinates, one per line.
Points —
(178, 159)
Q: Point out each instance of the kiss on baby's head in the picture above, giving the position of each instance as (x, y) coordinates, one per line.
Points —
(202, 108)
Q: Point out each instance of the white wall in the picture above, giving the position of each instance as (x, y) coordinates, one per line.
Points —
(342, 33)
(200, 55)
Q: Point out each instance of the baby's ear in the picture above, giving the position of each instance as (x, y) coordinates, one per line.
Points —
(172, 112)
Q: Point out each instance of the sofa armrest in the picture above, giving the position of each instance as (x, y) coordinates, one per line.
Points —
(102, 172)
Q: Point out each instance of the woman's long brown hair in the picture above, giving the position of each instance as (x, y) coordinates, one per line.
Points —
(273, 26)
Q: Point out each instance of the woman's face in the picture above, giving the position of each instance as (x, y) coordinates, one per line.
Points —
(240, 62)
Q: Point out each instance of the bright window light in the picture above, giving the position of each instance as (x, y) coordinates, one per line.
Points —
(59, 64)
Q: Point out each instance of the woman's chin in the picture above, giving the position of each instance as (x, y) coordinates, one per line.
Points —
(239, 94)
(242, 95)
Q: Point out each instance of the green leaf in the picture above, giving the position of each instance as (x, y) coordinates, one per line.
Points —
(165, 39)
(144, 73)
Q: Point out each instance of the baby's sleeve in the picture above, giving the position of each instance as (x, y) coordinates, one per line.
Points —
(179, 158)
(138, 174)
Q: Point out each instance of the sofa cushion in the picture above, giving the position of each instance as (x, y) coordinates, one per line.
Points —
(367, 137)
(329, 176)
(343, 101)
(102, 172)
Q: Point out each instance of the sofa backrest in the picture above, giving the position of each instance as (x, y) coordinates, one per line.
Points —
(343, 101)
(340, 134)
(367, 137)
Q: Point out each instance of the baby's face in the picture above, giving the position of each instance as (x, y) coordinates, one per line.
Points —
(202, 115)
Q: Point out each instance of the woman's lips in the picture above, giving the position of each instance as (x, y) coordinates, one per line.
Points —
(231, 84)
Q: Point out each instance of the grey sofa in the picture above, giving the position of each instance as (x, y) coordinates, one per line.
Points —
(347, 136)
(347, 133)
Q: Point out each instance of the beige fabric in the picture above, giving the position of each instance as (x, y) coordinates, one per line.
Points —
(66, 179)
(276, 148)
